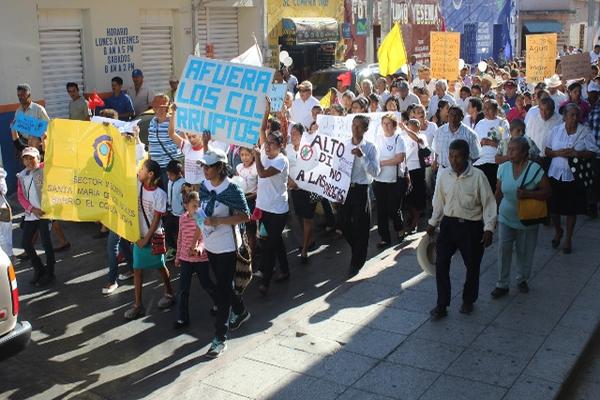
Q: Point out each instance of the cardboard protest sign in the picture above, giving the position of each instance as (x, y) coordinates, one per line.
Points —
(445, 53)
(324, 166)
(122, 126)
(225, 98)
(540, 57)
(341, 127)
(277, 93)
(575, 66)
(96, 182)
(28, 125)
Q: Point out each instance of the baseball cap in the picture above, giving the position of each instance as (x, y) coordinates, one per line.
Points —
(212, 157)
(137, 72)
(30, 151)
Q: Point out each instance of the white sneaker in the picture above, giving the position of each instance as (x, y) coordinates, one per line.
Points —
(217, 347)
(127, 275)
(257, 274)
(108, 289)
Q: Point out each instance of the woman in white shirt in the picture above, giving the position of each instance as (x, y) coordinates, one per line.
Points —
(491, 130)
(416, 200)
(389, 186)
(568, 140)
(474, 109)
(428, 129)
(272, 199)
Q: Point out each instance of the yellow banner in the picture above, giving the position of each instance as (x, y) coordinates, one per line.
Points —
(90, 175)
(540, 57)
(445, 53)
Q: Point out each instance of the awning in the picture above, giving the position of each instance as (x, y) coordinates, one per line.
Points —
(228, 3)
(298, 31)
(543, 26)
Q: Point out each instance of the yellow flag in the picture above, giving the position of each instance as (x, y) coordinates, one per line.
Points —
(391, 53)
(326, 100)
(90, 175)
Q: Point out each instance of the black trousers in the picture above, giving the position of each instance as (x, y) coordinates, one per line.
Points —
(354, 217)
(464, 236)
(29, 230)
(274, 247)
(171, 226)
(491, 173)
(388, 202)
(188, 269)
(223, 267)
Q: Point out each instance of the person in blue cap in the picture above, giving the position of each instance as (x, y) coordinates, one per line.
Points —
(141, 95)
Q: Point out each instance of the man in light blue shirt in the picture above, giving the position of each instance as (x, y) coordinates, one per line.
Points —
(355, 215)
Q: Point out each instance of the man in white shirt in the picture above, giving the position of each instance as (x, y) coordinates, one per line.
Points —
(301, 111)
(553, 84)
(413, 67)
(595, 54)
(449, 132)
(441, 93)
(539, 124)
(406, 98)
(465, 208)
(141, 95)
(354, 215)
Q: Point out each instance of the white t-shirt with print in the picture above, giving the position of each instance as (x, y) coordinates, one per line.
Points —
(218, 239)
(389, 147)
(272, 195)
(154, 202)
(412, 150)
(193, 172)
(249, 177)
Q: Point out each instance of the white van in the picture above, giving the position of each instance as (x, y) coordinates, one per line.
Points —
(14, 335)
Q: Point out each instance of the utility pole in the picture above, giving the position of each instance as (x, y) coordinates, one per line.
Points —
(386, 17)
(370, 40)
(591, 39)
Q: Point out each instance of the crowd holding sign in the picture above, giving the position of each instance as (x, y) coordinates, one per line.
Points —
(540, 56)
(225, 98)
(96, 181)
(445, 52)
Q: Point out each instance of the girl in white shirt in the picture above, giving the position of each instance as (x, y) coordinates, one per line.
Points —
(247, 171)
(416, 199)
(152, 204)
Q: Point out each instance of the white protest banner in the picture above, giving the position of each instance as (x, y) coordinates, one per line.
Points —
(341, 127)
(277, 93)
(324, 166)
(225, 98)
(122, 126)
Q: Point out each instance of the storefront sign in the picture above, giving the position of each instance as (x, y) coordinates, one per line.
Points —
(325, 166)
(28, 125)
(445, 52)
(96, 181)
(361, 27)
(575, 66)
(346, 30)
(225, 98)
(540, 56)
(117, 47)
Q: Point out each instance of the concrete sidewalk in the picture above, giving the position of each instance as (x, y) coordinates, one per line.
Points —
(372, 338)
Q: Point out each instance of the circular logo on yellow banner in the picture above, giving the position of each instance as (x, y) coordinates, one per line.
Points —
(103, 152)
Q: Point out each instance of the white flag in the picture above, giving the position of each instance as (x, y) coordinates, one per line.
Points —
(252, 56)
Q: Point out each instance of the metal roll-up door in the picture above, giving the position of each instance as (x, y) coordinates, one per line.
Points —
(201, 31)
(157, 56)
(223, 32)
(62, 62)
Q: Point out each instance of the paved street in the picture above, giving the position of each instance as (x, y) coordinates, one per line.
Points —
(314, 337)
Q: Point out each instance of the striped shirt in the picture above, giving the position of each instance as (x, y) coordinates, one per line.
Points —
(444, 136)
(161, 147)
(187, 230)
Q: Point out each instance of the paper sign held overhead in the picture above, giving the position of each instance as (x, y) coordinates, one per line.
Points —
(540, 56)
(576, 66)
(225, 98)
(277, 93)
(445, 53)
(28, 125)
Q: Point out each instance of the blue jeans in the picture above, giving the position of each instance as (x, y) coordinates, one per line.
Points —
(114, 244)
(524, 242)
(202, 269)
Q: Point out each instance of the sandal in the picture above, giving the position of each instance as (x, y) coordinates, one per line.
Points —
(166, 301)
(556, 242)
(134, 313)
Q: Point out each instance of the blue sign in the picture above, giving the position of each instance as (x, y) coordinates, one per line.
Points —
(346, 30)
(28, 125)
(277, 93)
(225, 98)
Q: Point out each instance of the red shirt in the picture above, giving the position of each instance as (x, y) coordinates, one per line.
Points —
(187, 230)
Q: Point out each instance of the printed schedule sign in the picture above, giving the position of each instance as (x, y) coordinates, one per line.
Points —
(225, 98)
(540, 57)
(445, 53)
